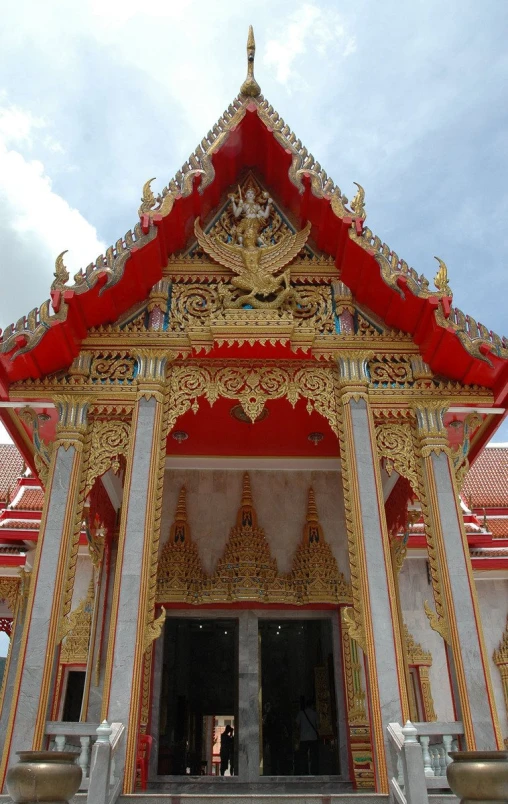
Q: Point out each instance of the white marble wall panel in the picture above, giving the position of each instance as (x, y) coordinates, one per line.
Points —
(280, 499)
(493, 600)
(415, 589)
(81, 581)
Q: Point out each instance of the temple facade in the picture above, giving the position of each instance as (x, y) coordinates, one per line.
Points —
(243, 495)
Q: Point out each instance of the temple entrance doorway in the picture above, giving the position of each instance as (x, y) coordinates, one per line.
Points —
(199, 697)
(298, 699)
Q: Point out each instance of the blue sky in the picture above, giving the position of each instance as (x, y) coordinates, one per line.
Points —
(409, 99)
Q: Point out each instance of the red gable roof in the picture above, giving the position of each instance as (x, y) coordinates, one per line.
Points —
(252, 135)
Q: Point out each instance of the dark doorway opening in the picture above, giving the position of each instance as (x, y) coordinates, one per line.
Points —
(73, 696)
(298, 700)
(198, 697)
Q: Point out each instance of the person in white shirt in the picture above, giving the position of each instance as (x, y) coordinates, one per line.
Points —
(308, 724)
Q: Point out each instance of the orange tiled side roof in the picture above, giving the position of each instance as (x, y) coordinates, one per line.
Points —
(31, 500)
(486, 483)
(11, 466)
(498, 527)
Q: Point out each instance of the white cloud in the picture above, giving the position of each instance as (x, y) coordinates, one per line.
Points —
(32, 211)
(4, 437)
(310, 26)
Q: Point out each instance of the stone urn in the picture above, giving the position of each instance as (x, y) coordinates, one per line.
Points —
(44, 776)
(479, 776)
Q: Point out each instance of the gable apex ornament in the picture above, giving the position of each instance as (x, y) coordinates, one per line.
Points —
(250, 86)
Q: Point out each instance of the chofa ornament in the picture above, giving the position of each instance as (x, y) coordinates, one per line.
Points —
(44, 776)
(479, 776)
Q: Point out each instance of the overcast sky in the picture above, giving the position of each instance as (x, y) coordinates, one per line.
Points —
(409, 99)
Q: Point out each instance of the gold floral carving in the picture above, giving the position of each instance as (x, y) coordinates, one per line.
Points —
(500, 658)
(416, 655)
(77, 526)
(77, 630)
(315, 575)
(358, 723)
(109, 442)
(155, 624)
(9, 591)
(112, 367)
(253, 385)
(460, 454)
(353, 616)
(395, 445)
(96, 538)
(247, 571)
(390, 371)
(42, 454)
(421, 659)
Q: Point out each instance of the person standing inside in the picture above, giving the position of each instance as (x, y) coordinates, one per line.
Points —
(307, 721)
(226, 750)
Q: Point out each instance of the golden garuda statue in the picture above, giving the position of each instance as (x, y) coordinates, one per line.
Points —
(254, 261)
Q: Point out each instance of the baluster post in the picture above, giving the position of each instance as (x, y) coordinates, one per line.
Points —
(415, 788)
(98, 788)
(447, 743)
(427, 761)
(84, 755)
(60, 742)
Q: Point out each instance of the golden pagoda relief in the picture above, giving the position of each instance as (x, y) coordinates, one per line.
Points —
(247, 572)
(315, 575)
(180, 577)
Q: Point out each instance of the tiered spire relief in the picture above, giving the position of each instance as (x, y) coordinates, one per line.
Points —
(247, 571)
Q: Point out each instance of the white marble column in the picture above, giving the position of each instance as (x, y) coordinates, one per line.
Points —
(138, 526)
(247, 729)
(471, 671)
(375, 608)
(13, 655)
(36, 663)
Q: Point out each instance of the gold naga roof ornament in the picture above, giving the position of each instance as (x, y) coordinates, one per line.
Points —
(61, 273)
(252, 257)
(250, 86)
(441, 279)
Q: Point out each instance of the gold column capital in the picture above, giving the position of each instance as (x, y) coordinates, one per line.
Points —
(72, 420)
(159, 295)
(151, 372)
(430, 426)
(354, 375)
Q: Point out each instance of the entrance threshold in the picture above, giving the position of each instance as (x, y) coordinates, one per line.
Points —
(265, 785)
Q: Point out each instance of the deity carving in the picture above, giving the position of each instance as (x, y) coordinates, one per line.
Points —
(253, 252)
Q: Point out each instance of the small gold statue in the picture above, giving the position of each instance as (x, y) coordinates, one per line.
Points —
(253, 260)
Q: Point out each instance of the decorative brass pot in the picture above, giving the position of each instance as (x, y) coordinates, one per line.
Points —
(44, 776)
(479, 776)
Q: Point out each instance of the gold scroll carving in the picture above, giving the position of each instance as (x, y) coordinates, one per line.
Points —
(421, 660)
(247, 571)
(109, 441)
(253, 385)
(358, 722)
(9, 590)
(78, 629)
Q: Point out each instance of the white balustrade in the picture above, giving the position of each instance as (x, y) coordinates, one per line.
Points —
(422, 751)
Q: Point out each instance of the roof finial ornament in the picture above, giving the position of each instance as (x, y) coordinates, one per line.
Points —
(250, 86)
(441, 279)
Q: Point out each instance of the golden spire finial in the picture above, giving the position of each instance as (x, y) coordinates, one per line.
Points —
(246, 490)
(312, 514)
(246, 514)
(441, 279)
(181, 506)
(250, 86)
(179, 529)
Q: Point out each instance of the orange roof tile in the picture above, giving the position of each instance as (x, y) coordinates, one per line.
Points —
(11, 466)
(486, 483)
(31, 500)
(498, 527)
